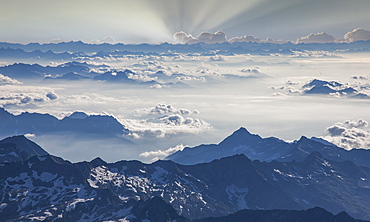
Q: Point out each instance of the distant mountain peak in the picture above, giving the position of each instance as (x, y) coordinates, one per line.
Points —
(240, 136)
(78, 115)
(242, 130)
(303, 139)
(98, 162)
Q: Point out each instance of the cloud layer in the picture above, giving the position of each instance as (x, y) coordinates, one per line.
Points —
(160, 154)
(357, 34)
(317, 38)
(22, 95)
(5, 80)
(204, 37)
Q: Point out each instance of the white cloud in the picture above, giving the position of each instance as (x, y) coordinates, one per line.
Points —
(205, 37)
(314, 54)
(164, 120)
(141, 78)
(5, 80)
(182, 37)
(30, 135)
(191, 78)
(162, 109)
(248, 38)
(157, 86)
(23, 95)
(159, 154)
(349, 134)
(251, 70)
(321, 37)
(358, 34)
(163, 127)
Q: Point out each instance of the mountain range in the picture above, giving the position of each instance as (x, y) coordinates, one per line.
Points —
(24, 71)
(268, 149)
(46, 187)
(78, 123)
(167, 48)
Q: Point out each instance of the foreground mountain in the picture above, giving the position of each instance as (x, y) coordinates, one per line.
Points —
(48, 188)
(19, 148)
(268, 149)
(314, 214)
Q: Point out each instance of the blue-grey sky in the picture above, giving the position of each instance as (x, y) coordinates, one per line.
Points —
(157, 20)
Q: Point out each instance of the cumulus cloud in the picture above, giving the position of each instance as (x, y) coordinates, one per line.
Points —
(5, 80)
(251, 70)
(314, 54)
(205, 37)
(349, 134)
(30, 135)
(191, 78)
(157, 86)
(321, 37)
(165, 126)
(358, 34)
(247, 38)
(141, 78)
(164, 120)
(164, 109)
(160, 154)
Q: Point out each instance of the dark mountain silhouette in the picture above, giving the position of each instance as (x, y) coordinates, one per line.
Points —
(49, 187)
(87, 125)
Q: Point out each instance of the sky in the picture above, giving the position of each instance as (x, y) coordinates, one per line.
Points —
(273, 104)
(155, 21)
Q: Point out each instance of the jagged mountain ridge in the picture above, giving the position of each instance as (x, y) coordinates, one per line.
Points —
(49, 187)
(268, 149)
(24, 71)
